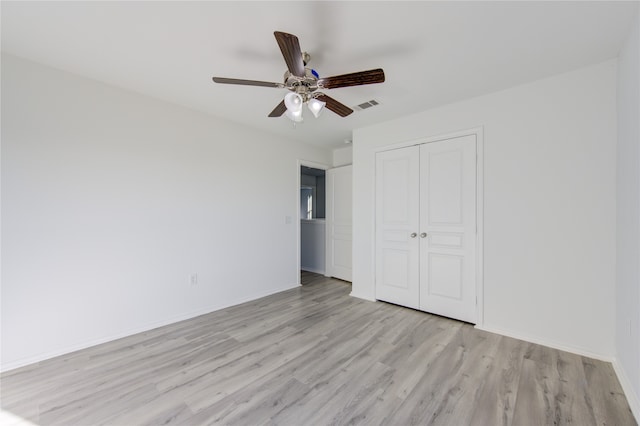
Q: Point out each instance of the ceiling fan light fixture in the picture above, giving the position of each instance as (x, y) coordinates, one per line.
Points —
(295, 116)
(315, 106)
(293, 102)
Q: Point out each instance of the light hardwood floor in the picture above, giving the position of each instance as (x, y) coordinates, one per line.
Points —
(316, 356)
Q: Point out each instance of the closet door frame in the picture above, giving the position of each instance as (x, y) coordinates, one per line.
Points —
(479, 270)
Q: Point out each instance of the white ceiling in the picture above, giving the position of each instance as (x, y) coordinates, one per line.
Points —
(433, 53)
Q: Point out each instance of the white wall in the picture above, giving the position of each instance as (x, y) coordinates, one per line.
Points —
(343, 156)
(627, 326)
(110, 200)
(549, 204)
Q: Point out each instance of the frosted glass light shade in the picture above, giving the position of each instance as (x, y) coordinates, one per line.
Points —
(295, 116)
(293, 102)
(316, 107)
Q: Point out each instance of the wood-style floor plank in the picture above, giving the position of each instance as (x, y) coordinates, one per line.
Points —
(315, 356)
(496, 399)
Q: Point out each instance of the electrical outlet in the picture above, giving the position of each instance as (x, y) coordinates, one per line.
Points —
(193, 279)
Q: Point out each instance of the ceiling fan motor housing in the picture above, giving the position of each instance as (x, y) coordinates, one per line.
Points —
(304, 86)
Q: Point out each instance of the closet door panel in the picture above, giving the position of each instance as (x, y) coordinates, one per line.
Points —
(448, 228)
(397, 224)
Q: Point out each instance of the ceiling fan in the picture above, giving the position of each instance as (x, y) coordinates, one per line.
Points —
(304, 83)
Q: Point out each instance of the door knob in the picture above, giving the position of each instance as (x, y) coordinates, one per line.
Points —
(424, 234)
(413, 235)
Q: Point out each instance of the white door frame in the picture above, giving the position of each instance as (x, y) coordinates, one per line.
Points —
(300, 163)
(478, 132)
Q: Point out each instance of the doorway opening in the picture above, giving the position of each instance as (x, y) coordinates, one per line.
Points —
(312, 193)
(311, 214)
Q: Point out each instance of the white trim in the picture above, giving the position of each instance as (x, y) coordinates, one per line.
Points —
(150, 326)
(299, 163)
(478, 132)
(632, 397)
(312, 164)
(369, 299)
(549, 343)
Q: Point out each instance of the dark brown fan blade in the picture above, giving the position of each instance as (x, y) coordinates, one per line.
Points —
(279, 110)
(290, 48)
(341, 109)
(353, 79)
(246, 82)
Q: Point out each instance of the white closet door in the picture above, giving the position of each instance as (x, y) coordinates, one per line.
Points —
(339, 222)
(448, 228)
(397, 216)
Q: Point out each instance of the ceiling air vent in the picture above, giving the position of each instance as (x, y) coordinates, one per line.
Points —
(366, 105)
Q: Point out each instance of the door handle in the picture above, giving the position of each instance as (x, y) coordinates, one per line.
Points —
(413, 235)
(424, 234)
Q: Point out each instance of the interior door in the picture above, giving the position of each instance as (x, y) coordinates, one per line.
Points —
(448, 228)
(397, 220)
(339, 222)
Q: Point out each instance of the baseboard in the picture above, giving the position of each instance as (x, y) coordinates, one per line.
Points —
(315, 271)
(149, 326)
(359, 296)
(549, 343)
(629, 392)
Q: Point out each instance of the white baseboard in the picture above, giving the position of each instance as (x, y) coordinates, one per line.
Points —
(315, 271)
(359, 296)
(629, 392)
(549, 343)
(11, 365)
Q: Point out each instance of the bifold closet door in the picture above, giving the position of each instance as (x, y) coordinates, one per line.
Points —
(397, 223)
(448, 228)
